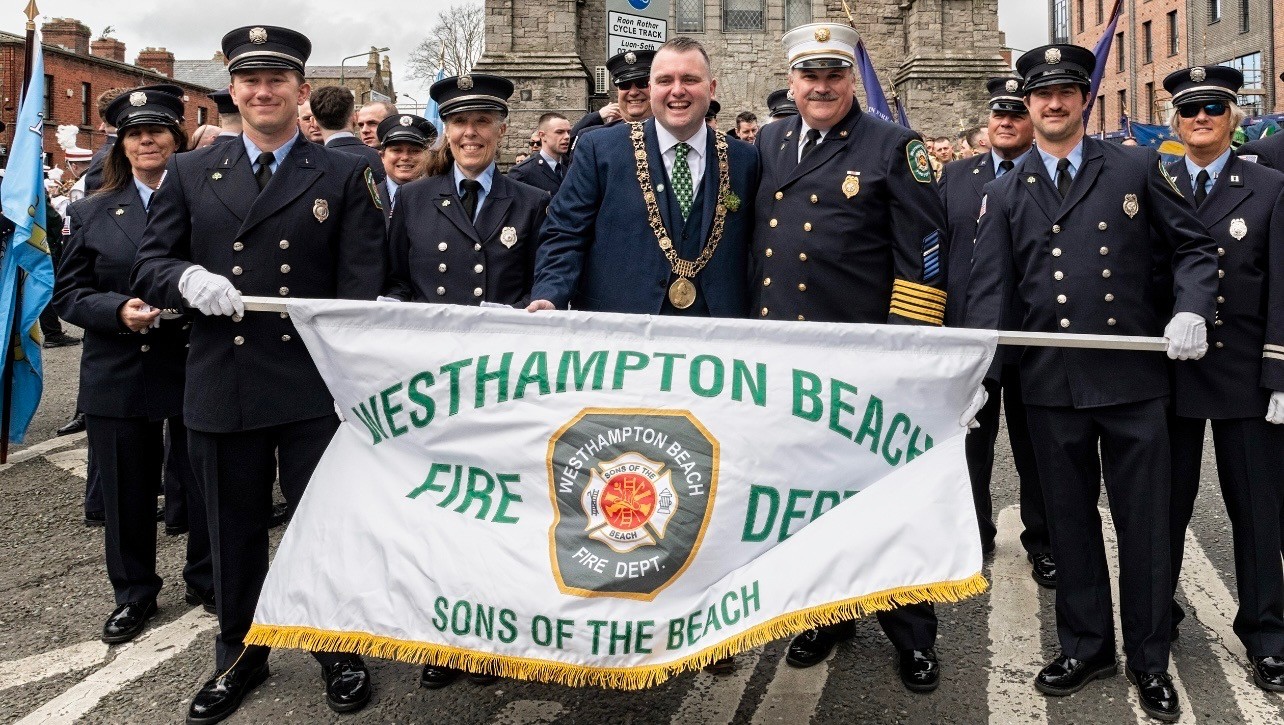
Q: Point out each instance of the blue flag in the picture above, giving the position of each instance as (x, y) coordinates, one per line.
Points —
(1102, 52)
(874, 97)
(27, 248)
(431, 111)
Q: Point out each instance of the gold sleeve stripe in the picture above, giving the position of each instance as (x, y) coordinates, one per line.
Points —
(901, 285)
(1273, 355)
(932, 318)
(1273, 348)
(925, 305)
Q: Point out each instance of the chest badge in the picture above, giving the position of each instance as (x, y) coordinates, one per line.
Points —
(508, 237)
(851, 185)
(1238, 229)
(1131, 207)
(321, 209)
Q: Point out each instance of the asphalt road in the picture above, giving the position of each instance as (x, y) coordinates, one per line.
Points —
(54, 596)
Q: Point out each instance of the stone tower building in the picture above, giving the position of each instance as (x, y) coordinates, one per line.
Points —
(934, 54)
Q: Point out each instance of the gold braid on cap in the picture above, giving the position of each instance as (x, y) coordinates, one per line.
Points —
(682, 267)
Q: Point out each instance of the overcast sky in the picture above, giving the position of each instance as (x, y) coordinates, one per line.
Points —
(192, 29)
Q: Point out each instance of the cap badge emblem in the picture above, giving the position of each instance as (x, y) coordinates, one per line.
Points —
(1198, 74)
(1052, 56)
(789, 94)
(1131, 207)
(1238, 229)
(258, 36)
(138, 98)
(321, 210)
(465, 83)
(508, 237)
(406, 121)
(1011, 86)
(822, 35)
(630, 57)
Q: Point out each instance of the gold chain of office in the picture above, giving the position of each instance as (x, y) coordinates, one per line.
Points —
(682, 293)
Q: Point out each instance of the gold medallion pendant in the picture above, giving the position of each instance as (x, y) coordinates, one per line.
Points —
(682, 293)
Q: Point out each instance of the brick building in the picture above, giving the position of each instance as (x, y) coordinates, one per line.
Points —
(373, 78)
(935, 54)
(1156, 37)
(76, 72)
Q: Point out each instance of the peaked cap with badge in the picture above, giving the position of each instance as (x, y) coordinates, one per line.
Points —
(256, 47)
(159, 105)
(471, 92)
(223, 98)
(781, 104)
(821, 45)
(1052, 65)
(406, 128)
(630, 65)
(1204, 84)
(1007, 94)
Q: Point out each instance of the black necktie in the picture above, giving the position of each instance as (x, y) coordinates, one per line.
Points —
(1201, 187)
(558, 172)
(471, 188)
(265, 169)
(813, 140)
(1006, 165)
(1063, 177)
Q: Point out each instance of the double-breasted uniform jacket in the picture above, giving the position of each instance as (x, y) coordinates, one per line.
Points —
(853, 232)
(438, 255)
(314, 231)
(1268, 152)
(536, 172)
(598, 252)
(1244, 213)
(960, 186)
(123, 374)
(1119, 255)
(353, 145)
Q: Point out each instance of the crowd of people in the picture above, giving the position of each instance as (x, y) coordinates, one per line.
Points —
(821, 213)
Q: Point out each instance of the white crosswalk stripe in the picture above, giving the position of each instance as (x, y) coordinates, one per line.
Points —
(793, 694)
(713, 699)
(1016, 649)
(37, 667)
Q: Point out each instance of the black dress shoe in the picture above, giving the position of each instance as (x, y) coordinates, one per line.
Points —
(987, 548)
(1066, 675)
(919, 669)
(1044, 570)
(220, 697)
(435, 678)
(1268, 673)
(75, 425)
(482, 679)
(724, 666)
(280, 515)
(347, 684)
(60, 339)
(1157, 695)
(175, 529)
(127, 621)
(94, 519)
(191, 596)
(812, 647)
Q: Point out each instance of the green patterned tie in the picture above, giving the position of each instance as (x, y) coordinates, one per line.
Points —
(682, 178)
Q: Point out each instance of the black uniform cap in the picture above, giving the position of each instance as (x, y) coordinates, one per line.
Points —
(631, 65)
(406, 128)
(714, 109)
(1204, 84)
(780, 104)
(471, 92)
(1006, 94)
(266, 46)
(224, 100)
(147, 105)
(1053, 65)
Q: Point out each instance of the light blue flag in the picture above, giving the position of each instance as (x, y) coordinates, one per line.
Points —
(26, 248)
(431, 111)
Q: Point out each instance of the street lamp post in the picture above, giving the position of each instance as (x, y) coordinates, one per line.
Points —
(357, 55)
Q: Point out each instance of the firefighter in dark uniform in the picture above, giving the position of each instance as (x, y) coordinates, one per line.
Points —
(1080, 232)
(961, 183)
(1239, 384)
(131, 368)
(467, 234)
(631, 74)
(847, 228)
(780, 105)
(274, 215)
(403, 141)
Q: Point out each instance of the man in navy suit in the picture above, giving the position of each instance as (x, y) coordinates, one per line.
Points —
(332, 107)
(546, 168)
(598, 222)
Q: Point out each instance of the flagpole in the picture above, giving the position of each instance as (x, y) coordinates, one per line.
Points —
(14, 340)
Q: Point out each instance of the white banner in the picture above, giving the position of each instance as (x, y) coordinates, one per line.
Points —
(610, 499)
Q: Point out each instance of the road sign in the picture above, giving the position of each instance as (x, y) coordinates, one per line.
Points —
(636, 25)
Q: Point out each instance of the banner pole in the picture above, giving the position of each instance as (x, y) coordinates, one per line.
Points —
(1006, 337)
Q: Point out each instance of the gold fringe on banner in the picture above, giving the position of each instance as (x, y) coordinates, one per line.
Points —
(620, 678)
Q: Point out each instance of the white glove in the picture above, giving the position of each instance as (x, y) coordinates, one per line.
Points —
(1275, 409)
(1187, 336)
(968, 419)
(210, 293)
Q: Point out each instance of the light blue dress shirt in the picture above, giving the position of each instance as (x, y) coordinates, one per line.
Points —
(277, 155)
(485, 178)
(1076, 162)
(144, 191)
(1214, 170)
(996, 160)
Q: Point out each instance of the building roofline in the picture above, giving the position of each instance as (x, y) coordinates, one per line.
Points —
(11, 39)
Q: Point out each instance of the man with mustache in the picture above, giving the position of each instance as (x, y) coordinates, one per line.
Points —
(848, 228)
(1094, 238)
(630, 72)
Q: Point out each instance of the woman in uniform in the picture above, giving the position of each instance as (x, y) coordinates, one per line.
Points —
(131, 366)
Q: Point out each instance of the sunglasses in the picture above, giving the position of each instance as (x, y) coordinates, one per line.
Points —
(534, 144)
(1190, 110)
(641, 84)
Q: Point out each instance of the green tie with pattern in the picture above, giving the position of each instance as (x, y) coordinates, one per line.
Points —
(682, 178)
